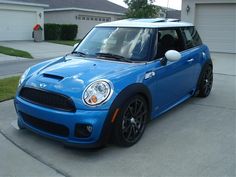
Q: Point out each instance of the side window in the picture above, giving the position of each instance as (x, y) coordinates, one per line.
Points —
(169, 39)
(191, 37)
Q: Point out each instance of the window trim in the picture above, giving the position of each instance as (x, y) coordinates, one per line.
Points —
(184, 37)
(179, 33)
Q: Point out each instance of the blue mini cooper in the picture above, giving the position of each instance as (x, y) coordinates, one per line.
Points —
(119, 77)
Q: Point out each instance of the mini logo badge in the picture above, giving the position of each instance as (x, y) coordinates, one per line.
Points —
(42, 85)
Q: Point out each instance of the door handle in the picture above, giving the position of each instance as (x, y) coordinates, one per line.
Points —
(190, 60)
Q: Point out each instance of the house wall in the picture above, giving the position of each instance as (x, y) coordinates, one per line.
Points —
(85, 20)
(215, 21)
(37, 13)
(190, 17)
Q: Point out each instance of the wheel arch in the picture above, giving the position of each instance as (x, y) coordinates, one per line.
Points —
(208, 62)
(125, 94)
(130, 91)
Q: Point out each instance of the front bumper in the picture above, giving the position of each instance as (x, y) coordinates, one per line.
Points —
(97, 119)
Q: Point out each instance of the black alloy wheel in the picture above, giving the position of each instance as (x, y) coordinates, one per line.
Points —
(206, 82)
(131, 121)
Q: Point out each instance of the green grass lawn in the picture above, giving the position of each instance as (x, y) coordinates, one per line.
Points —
(8, 87)
(14, 52)
(68, 42)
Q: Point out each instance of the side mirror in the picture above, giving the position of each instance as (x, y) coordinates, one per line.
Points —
(76, 45)
(172, 55)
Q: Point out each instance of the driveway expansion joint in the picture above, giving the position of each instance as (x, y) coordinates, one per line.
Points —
(35, 156)
(214, 106)
(232, 75)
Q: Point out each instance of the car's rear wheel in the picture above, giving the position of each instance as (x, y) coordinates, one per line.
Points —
(131, 121)
(206, 82)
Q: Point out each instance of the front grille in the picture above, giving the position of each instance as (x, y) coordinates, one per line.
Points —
(48, 99)
(50, 127)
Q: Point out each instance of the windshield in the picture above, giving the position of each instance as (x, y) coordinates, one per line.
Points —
(117, 43)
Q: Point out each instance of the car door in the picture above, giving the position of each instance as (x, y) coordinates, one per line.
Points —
(193, 53)
(173, 81)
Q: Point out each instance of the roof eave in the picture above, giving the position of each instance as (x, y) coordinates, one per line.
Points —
(82, 9)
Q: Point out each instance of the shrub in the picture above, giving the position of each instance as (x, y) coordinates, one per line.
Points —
(60, 32)
(52, 31)
(68, 32)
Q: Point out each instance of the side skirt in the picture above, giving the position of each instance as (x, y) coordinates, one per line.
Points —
(172, 106)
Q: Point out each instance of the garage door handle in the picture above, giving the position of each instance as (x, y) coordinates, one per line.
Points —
(190, 60)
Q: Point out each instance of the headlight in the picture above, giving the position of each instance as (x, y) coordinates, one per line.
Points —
(97, 92)
(23, 77)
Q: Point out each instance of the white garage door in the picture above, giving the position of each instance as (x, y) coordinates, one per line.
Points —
(87, 22)
(84, 27)
(16, 25)
(216, 24)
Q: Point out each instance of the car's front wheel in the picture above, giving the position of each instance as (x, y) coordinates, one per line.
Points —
(131, 121)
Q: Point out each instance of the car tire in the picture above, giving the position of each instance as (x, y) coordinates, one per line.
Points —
(205, 82)
(131, 121)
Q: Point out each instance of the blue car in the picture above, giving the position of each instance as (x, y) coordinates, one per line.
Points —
(122, 75)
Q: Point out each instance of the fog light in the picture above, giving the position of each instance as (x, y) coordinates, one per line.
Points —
(89, 128)
(83, 130)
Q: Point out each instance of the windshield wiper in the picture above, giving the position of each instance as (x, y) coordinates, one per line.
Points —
(81, 54)
(114, 56)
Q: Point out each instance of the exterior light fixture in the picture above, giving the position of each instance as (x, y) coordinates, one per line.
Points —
(188, 9)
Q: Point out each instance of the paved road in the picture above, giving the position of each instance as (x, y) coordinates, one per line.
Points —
(16, 67)
(42, 50)
(197, 138)
(39, 50)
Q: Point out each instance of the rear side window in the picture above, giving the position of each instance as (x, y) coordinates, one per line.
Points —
(191, 37)
(169, 39)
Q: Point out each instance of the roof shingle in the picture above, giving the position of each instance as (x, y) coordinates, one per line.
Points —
(102, 5)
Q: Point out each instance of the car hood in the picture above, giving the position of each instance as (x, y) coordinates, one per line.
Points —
(84, 68)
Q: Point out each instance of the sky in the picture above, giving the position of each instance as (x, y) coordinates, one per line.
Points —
(174, 4)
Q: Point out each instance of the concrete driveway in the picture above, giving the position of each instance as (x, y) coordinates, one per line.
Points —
(197, 138)
(224, 63)
(39, 50)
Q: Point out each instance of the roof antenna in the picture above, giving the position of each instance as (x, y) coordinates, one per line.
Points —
(167, 8)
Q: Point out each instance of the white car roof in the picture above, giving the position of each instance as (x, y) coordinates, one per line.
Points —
(146, 23)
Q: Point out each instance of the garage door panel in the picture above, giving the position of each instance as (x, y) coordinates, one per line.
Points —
(219, 9)
(16, 25)
(212, 38)
(216, 24)
(216, 28)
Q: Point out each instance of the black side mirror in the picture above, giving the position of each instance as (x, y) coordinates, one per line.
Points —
(163, 61)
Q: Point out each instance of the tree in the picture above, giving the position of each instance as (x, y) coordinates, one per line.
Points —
(141, 9)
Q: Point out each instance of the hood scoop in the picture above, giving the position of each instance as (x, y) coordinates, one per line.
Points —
(52, 76)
